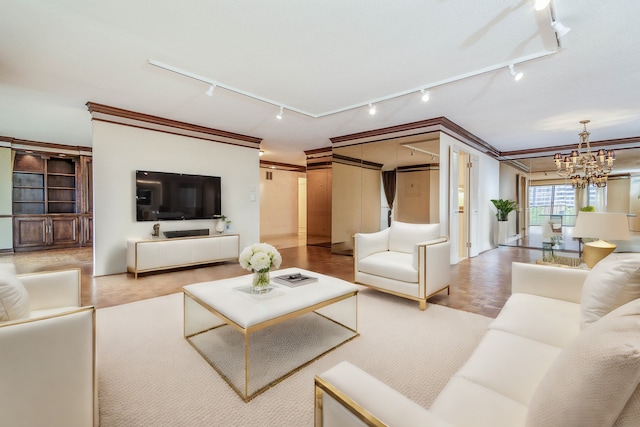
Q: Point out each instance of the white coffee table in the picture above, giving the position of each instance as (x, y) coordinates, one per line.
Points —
(289, 327)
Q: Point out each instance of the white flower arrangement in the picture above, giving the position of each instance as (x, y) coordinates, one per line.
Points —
(260, 257)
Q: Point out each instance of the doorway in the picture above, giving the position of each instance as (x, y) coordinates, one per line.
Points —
(463, 206)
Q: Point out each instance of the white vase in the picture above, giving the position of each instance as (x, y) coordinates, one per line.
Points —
(221, 225)
(503, 230)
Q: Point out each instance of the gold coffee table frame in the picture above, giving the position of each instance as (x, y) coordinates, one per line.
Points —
(201, 318)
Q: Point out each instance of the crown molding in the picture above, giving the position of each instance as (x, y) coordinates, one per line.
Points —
(46, 147)
(108, 114)
(282, 166)
(621, 143)
(436, 124)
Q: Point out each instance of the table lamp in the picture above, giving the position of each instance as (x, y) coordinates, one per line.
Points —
(604, 226)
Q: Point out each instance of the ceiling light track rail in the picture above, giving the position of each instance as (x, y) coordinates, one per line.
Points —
(369, 103)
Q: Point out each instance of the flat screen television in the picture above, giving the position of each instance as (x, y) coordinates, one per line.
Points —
(162, 196)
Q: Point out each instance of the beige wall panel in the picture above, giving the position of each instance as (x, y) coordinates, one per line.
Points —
(371, 200)
(434, 196)
(319, 206)
(347, 205)
(279, 202)
(412, 197)
(356, 204)
(618, 195)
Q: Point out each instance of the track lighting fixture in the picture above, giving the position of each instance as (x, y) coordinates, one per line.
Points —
(560, 29)
(541, 4)
(516, 75)
(423, 89)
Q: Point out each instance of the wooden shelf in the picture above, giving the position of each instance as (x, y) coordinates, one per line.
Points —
(51, 201)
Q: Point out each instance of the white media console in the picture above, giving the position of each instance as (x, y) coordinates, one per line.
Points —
(145, 255)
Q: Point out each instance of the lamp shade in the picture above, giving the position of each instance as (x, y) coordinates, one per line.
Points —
(602, 225)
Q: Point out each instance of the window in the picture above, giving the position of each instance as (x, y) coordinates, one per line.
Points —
(559, 199)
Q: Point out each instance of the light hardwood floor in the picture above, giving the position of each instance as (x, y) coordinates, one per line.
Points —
(479, 285)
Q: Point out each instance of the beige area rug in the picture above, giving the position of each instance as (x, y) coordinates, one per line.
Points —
(150, 376)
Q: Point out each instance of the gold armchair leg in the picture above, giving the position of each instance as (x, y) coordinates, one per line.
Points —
(423, 304)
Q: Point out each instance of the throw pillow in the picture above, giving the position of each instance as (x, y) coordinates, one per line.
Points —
(604, 284)
(632, 289)
(14, 299)
(592, 379)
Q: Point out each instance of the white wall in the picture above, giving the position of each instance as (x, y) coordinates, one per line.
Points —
(488, 188)
(118, 151)
(6, 180)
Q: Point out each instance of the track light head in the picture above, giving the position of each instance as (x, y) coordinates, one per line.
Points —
(541, 4)
(560, 29)
(425, 95)
(279, 116)
(372, 109)
(211, 89)
(517, 75)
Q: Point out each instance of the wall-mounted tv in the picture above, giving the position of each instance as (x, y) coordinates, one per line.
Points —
(162, 196)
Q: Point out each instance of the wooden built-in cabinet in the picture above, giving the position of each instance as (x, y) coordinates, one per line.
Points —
(51, 201)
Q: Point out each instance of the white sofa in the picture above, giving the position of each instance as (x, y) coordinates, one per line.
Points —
(47, 358)
(546, 360)
(407, 260)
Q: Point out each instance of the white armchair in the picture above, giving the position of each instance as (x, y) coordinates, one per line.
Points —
(47, 359)
(407, 260)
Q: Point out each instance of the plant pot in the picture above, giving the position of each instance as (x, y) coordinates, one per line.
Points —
(503, 231)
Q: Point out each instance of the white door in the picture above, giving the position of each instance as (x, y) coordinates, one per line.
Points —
(454, 217)
(463, 191)
(473, 177)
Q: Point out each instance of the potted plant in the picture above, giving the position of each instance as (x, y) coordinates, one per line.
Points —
(504, 207)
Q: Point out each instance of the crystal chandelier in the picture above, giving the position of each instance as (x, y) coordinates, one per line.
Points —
(594, 168)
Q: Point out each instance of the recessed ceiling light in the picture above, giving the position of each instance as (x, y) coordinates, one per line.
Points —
(210, 90)
(425, 95)
(372, 109)
(279, 116)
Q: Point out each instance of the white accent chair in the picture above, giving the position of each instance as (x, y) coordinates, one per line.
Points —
(47, 360)
(408, 260)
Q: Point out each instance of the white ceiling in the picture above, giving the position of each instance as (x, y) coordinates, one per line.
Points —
(55, 56)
